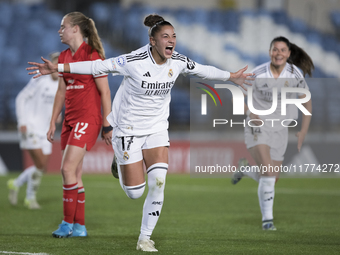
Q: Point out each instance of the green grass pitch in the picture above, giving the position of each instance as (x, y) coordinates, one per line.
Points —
(199, 216)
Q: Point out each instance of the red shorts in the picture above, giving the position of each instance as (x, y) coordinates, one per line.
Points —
(79, 134)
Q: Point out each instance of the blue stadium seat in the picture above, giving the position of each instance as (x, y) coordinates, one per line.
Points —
(248, 13)
(263, 12)
(200, 16)
(3, 37)
(335, 18)
(21, 11)
(101, 12)
(180, 106)
(116, 18)
(182, 50)
(53, 20)
(280, 17)
(314, 37)
(198, 58)
(184, 16)
(298, 26)
(260, 59)
(6, 13)
(50, 42)
(216, 21)
(12, 56)
(231, 21)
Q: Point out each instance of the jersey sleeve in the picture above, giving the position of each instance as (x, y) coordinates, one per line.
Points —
(95, 56)
(28, 91)
(120, 65)
(300, 80)
(301, 83)
(116, 66)
(203, 71)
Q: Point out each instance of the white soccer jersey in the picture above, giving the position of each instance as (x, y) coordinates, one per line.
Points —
(34, 104)
(263, 92)
(141, 104)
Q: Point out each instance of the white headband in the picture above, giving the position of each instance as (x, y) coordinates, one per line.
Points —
(150, 30)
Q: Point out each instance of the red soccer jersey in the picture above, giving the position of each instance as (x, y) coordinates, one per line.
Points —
(82, 99)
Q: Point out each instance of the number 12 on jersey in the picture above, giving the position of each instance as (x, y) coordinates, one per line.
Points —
(80, 131)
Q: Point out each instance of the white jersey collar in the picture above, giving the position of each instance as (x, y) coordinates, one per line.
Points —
(281, 74)
(153, 60)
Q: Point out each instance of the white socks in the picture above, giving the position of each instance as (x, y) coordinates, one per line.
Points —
(24, 176)
(266, 192)
(33, 184)
(134, 192)
(32, 176)
(154, 200)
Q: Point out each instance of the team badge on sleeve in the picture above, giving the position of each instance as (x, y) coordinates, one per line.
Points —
(113, 64)
(286, 84)
(121, 61)
(171, 73)
(191, 64)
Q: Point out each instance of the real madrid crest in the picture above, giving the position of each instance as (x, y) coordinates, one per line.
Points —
(286, 84)
(126, 156)
(171, 73)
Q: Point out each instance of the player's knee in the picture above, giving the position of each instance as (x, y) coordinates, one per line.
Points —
(156, 183)
(134, 192)
(67, 172)
(156, 177)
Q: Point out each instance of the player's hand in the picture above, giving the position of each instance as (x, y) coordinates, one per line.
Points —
(255, 119)
(301, 137)
(39, 69)
(240, 78)
(50, 133)
(107, 137)
(23, 130)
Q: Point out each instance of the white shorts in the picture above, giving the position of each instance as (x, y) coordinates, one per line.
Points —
(128, 149)
(276, 140)
(32, 141)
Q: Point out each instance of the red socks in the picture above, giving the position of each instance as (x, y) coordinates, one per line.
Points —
(70, 195)
(79, 216)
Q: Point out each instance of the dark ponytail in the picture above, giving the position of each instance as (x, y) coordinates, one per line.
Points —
(155, 22)
(297, 57)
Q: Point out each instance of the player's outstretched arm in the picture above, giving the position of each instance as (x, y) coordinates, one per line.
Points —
(240, 78)
(39, 69)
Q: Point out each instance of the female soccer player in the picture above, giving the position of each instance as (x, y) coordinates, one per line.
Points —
(83, 96)
(267, 143)
(140, 111)
(33, 109)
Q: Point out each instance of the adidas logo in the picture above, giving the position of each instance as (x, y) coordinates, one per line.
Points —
(147, 74)
(266, 200)
(154, 213)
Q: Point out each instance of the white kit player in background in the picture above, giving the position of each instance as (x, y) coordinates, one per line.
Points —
(33, 109)
(140, 112)
(267, 143)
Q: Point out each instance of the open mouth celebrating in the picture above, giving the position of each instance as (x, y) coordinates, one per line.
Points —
(169, 50)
